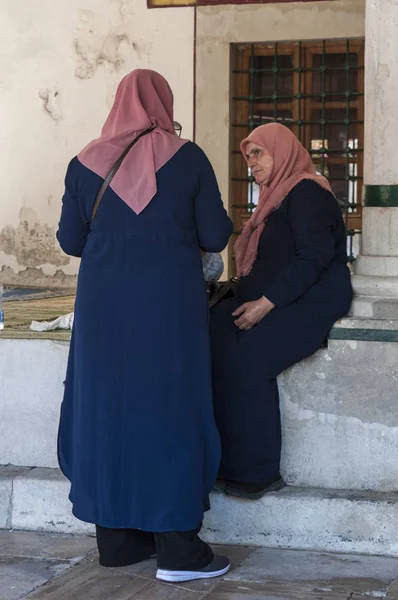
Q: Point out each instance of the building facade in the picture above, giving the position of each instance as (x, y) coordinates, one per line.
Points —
(231, 67)
(328, 70)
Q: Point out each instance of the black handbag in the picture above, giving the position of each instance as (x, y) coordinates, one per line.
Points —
(222, 291)
(113, 172)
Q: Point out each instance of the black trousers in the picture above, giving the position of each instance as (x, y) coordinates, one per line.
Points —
(175, 550)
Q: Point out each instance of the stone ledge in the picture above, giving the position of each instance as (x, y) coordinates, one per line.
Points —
(339, 431)
(365, 329)
(366, 324)
(375, 286)
(370, 307)
(376, 266)
(7, 476)
(300, 518)
(364, 335)
(40, 502)
(309, 518)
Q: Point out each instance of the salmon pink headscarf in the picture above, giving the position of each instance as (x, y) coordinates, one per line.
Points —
(292, 164)
(143, 100)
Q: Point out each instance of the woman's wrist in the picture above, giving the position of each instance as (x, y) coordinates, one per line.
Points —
(267, 303)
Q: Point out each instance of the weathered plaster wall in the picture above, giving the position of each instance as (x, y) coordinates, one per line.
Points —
(60, 64)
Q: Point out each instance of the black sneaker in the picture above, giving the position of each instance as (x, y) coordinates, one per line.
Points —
(218, 567)
(253, 491)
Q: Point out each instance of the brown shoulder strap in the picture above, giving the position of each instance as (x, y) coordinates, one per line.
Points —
(113, 172)
(223, 290)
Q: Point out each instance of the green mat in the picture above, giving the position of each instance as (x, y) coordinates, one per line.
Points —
(27, 334)
(19, 314)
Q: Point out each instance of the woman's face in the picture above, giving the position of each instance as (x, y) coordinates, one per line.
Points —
(260, 163)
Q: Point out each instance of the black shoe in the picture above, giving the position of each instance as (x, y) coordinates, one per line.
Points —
(218, 567)
(253, 491)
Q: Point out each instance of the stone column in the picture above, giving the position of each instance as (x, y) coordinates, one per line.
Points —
(376, 270)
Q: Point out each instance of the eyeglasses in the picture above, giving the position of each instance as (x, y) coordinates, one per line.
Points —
(177, 128)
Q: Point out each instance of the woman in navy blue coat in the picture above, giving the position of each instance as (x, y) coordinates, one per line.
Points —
(294, 285)
(137, 437)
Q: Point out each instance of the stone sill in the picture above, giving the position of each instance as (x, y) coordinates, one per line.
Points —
(366, 330)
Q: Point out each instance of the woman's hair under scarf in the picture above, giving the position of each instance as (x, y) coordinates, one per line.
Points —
(143, 100)
(292, 164)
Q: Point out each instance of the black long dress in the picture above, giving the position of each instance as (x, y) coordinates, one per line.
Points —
(302, 268)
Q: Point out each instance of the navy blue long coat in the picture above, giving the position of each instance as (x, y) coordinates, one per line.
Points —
(137, 437)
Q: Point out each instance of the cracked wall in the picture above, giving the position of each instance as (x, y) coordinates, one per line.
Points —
(58, 78)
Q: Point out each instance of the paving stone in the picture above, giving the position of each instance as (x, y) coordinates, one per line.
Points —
(236, 554)
(89, 581)
(45, 546)
(309, 571)
(43, 567)
(393, 591)
(228, 590)
(158, 591)
(300, 565)
(19, 576)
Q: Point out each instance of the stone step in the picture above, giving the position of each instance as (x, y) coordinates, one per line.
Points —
(301, 518)
(339, 416)
(379, 287)
(373, 308)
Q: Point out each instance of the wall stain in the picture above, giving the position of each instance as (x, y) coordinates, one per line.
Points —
(101, 40)
(122, 6)
(32, 243)
(143, 49)
(94, 51)
(50, 98)
(36, 277)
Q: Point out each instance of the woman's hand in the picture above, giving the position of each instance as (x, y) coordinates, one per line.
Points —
(251, 313)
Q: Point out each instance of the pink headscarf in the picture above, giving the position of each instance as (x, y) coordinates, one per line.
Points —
(143, 100)
(292, 164)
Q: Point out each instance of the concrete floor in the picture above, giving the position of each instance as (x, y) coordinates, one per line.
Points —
(55, 567)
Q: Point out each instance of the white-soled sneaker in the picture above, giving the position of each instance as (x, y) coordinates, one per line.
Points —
(218, 567)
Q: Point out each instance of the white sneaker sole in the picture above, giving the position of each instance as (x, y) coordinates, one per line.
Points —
(178, 576)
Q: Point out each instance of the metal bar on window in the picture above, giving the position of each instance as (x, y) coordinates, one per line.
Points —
(275, 69)
(304, 69)
(251, 206)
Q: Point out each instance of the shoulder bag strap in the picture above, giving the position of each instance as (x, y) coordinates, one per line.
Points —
(113, 172)
(224, 289)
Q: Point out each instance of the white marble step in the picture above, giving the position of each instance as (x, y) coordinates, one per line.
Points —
(302, 518)
(339, 410)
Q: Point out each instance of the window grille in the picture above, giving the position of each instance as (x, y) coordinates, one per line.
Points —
(317, 90)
